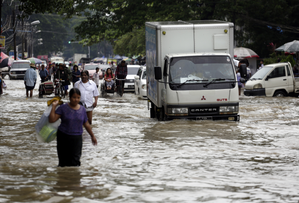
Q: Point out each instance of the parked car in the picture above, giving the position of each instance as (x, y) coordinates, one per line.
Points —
(140, 83)
(273, 80)
(18, 69)
(129, 82)
(91, 68)
(4, 71)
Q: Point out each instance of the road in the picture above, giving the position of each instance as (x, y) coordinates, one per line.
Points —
(139, 159)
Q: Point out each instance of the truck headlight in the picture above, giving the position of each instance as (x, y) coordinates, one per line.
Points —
(12, 72)
(228, 109)
(178, 111)
(257, 86)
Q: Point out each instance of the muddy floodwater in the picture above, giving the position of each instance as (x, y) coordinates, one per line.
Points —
(139, 159)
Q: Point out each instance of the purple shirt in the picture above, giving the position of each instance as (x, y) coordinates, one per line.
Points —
(71, 120)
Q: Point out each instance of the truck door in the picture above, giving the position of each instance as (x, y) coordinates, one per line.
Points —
(277, 79)
(164, 86)
(290, 79)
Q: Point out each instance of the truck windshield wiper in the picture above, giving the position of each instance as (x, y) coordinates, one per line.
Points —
(216, 79)
(189, 81)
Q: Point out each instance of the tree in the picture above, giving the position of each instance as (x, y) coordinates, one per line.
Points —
(257, 23)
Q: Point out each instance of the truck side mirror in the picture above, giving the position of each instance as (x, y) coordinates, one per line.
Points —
(158, 73)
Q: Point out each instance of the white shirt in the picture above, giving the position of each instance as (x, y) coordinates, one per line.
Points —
(96, 78)
(248, 71)
(30, 77)
(236, 62)
(88, 91)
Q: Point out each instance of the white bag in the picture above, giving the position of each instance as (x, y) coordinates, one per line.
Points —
(45, 131)
(4, 85)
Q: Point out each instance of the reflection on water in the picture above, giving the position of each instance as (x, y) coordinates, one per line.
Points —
(139, 159)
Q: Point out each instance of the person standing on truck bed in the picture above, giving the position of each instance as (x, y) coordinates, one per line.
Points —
(121, 72)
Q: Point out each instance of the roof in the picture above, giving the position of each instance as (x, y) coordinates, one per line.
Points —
(21, 61)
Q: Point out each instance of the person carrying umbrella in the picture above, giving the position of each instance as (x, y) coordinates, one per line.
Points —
(30, 79)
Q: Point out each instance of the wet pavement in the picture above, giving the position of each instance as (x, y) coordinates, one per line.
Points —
(139, 159)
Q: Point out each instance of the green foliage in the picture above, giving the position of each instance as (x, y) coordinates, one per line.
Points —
(131, 43)
(274, 58)
(257, 23)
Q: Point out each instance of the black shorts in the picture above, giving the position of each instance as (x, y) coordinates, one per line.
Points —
(30, 87)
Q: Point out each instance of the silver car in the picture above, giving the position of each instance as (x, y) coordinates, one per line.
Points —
(18, 69)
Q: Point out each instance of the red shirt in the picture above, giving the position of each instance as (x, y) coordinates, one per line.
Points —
(110, 77)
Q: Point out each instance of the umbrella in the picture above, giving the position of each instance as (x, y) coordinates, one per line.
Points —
(118, 57)
(5, 60)
(242, 52)
(3, 56)
(127, 59)
(34, 60)
(289, 47)
(97, 59)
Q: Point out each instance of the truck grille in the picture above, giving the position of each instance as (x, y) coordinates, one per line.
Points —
(20, 72)
(204, 111)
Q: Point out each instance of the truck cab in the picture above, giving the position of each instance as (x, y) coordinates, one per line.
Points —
(272, 80)
(190, 72)
(199, 86)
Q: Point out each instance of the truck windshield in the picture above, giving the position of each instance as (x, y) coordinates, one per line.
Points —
(201, 69)
(259, 75)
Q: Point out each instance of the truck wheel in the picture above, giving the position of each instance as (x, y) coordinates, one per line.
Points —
(160, 115)
(152, 113)
(280, 94)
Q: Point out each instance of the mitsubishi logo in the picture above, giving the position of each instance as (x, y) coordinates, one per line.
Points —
(203, 98)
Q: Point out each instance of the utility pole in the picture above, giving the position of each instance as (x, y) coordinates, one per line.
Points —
(0, 22)
(14, 34)
(23, 46)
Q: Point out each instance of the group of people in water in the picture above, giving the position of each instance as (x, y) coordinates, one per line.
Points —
(77, 113)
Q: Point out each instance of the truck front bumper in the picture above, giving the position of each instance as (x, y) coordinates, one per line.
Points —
(213, 117)
(224, 111)
(255, 92)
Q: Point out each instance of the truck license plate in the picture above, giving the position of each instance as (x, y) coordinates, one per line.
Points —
(131, 86)
(204, 118)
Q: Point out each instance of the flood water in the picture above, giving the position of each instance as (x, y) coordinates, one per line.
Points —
(139, 159)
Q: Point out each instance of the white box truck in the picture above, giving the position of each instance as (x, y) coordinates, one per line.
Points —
(77, 57)
(273, 80)
(190, 72)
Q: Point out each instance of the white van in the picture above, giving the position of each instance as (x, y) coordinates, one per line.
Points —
(18, 69)
(272, 80)
(140, 83)
(130, 80)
